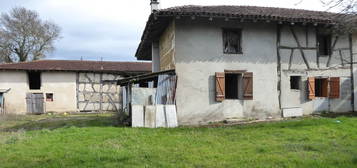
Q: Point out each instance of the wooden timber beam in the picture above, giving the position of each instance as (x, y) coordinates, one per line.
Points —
(332, 49)
(300, 47)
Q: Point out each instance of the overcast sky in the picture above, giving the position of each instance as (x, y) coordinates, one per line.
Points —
(111, 29)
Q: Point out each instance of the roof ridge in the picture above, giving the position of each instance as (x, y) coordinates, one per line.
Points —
(35, 61)
(254, 6)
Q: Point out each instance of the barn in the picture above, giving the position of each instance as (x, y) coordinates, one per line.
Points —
(60, 86)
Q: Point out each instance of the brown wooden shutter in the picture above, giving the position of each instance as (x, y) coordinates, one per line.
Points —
(311, 87)
(248, 86)
(325, 92)
(220, 86)
(334, 88)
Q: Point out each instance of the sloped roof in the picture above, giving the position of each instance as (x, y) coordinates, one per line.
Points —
(253, 12)
(159, 19)
(77, 65)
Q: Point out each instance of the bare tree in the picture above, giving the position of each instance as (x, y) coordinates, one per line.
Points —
(345, 18)
(25, 37)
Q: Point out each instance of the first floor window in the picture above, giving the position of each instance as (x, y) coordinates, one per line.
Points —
(232, 41)
(324, 43)
(34, 79)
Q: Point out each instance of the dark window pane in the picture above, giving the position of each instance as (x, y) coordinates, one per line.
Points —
(34, 80)
(232, 41)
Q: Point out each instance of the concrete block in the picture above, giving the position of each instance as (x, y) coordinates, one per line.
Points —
(292, 112)
(150, 116)
(171, 116)
(160, 116)
(137, 118)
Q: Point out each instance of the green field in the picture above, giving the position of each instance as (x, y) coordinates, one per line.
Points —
(96, 141)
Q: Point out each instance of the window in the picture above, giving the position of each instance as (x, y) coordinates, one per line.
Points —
(234, 85)
(144, 84)
(323, 87)
(49, 97)
(324, 43)
(34, 80)
(295, 82)
(232, 41)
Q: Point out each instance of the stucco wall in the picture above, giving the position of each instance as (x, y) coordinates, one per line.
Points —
(61, 84)
(199, 54)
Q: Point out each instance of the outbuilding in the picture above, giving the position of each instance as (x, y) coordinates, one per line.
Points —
(64, 85)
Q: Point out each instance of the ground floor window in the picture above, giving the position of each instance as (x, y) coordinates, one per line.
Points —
(321, 87)
(234, 85)
(49, 97)
(295, 82)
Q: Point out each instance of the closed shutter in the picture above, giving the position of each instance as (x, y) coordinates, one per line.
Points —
(334, 87)
(220, 84)
(311, 87)
(248, 86)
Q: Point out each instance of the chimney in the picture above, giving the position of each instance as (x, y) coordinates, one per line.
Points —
(155, 5)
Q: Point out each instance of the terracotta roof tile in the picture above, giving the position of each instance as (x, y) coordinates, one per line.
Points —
(76, 65)
(281, 14)
(160, 19)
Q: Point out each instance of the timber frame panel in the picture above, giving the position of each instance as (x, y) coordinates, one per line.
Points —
(303, 49)
(94, 94)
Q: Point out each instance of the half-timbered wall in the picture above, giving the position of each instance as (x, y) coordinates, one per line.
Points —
(299, 56)
(93, 94)
(167, 48)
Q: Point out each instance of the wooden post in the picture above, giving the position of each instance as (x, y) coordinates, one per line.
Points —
(317, 49)
(330, 53)
(352, 75)
(278, 35)
(100, 92)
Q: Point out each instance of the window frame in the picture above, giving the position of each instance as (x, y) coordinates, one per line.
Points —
(51, 99)
(224, 38)
(323, 84)
(29, 74)
(329, 47)
(298, 84)
(239, 87)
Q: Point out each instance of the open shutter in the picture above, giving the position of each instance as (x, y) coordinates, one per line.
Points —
(248, 86)
(311, 87)
(220, 84)
(334, 88)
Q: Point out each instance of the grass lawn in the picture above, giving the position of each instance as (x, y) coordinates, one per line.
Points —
(95, 141)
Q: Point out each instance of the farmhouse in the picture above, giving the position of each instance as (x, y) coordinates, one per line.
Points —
(63, 85)
(246, 62)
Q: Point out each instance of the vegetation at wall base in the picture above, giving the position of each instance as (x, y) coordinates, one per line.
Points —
(95, 141)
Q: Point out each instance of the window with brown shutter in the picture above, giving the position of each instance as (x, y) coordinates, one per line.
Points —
(220, 86)
(334, 88)
(311, 87)
(248, 86)
(321, 87)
